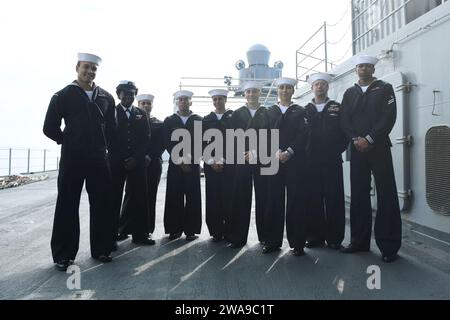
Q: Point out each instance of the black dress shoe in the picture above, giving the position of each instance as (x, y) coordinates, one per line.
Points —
(334, 246)
(105, 258)
(234, 245)
(352, 248)
(121, 237)
(62, 265)
(314, 244)
(144, 240)
(298, 252)
(174, 236)
(217, 238)
(389, 258)
(191, 237)
(269, 249)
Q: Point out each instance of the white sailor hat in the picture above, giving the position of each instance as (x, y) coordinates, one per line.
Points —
(365, 59)
(183, 93)
(145, 97)
(218, 92)
(88, 57)
(251, 85)
(287, 81)
(319, 76)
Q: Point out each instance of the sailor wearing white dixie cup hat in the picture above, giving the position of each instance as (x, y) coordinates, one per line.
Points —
(248, 168)
(289, 119)
(183, 175)
(153, 157)
(325, 205)
(88, 114)
(217, 171)
(369, 114)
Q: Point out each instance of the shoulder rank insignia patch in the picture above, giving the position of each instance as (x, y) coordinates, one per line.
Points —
(391, 100)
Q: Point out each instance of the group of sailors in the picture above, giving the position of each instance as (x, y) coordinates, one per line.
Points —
(111, 147)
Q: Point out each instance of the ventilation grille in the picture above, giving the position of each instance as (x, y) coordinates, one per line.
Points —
(437, 163)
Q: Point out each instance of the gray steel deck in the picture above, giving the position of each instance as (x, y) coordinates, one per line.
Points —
(196, 270)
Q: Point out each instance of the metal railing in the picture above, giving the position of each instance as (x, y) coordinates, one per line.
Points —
(26, 161)
(314, 55)
(308, 60)
(373, 21)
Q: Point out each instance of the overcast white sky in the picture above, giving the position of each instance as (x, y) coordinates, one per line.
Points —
(153, 43)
